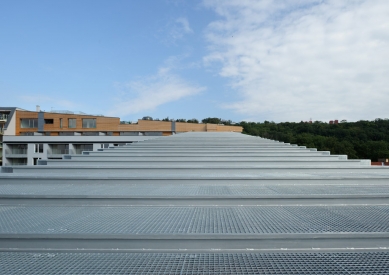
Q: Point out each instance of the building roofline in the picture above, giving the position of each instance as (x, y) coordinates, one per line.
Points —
(54, 112)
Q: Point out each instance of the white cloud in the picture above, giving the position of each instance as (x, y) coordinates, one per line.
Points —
(292, 60)
(176, 30)
(184, 24)
(147, 93)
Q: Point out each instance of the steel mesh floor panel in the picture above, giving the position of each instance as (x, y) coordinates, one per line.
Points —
(362, 172)
(166, 189)
(24, 263)
(192, 220)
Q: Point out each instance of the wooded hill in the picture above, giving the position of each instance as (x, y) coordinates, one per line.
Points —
(359, 140)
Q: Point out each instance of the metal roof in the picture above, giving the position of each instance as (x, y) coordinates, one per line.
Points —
(196, 203)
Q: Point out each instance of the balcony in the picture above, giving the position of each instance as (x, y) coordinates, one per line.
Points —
(15, 162)
(79, 148)
(56, 151)
(3, 117)
(79, 151)
(17, 151)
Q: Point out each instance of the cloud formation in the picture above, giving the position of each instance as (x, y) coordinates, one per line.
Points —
(184, 25)
(292, 60)
(176, 30)
(147, 93)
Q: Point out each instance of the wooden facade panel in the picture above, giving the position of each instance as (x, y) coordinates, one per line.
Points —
(128, 127)
(112, 124)
(103, 124)
(211, 127)
(165, 126)
(190, 127)
(147, 125)
(227, 128)
(158, 126)
(24, 114)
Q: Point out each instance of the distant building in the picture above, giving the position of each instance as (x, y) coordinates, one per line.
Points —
(334, 121)
(26, 136)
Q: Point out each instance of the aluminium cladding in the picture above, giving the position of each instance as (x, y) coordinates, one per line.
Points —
(196, 203)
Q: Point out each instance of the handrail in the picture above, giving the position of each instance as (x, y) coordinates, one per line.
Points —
(16, 151)
(58, 151)
(79, 151)
(3, 117)
(15, 164)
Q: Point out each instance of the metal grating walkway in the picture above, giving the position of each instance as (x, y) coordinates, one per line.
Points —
(207, 264)
(193, 220)
(196, 203)
(73, 188)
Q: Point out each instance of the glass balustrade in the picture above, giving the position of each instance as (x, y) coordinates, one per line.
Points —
(16, 151)
(55, 151)
(4, 117)
(79, 151)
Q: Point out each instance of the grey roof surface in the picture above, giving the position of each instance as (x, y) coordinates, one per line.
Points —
(196, 203)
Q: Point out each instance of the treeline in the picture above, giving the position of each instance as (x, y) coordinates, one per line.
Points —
(359, 140)
(213, 120)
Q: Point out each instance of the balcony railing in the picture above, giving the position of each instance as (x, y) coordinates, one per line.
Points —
(15, 163)
(58, 151)
(16, 151)
(79, 151)
(4, 117)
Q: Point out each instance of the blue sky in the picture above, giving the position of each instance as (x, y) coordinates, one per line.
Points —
(234, 59)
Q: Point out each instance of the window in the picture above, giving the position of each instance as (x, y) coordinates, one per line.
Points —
(58, 149)
(39, 148)
(29, 123)
(83, 147)
(72, 123)
(60, 123)
(19, 149)
(49, 121)
(88, 123)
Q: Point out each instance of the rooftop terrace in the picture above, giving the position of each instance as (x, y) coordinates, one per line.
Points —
(196, 203)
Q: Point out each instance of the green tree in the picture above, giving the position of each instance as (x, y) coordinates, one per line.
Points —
(213, 120)
(193, 120)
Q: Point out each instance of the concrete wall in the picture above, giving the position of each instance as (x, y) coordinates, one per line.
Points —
(11, 126)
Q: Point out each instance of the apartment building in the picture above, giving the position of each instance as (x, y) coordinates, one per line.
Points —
(27, 136)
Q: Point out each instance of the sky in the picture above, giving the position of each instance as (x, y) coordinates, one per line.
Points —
(241, 60)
